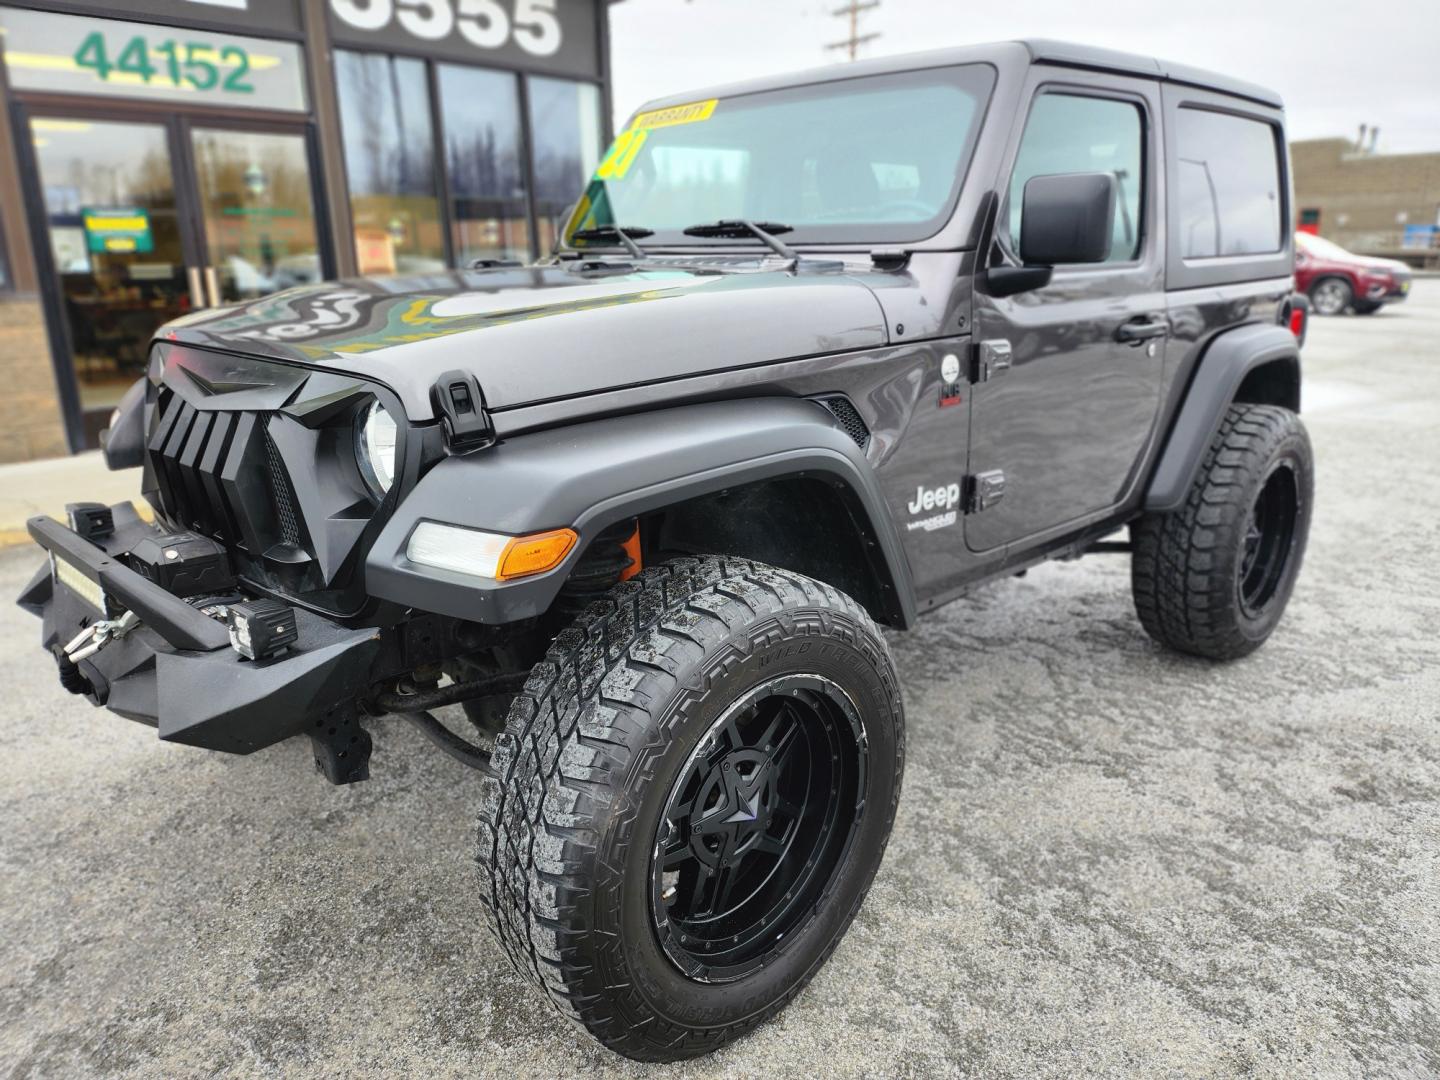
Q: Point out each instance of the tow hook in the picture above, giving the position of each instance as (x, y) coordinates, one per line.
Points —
(99, 634)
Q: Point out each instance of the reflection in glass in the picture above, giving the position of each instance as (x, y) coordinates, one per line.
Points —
(480, 115)
(1229, 190)
(114, 238)
(390, 159)
(565, 127)
(255, 198)
(1068, 134)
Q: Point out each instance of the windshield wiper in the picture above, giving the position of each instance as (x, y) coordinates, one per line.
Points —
(739, 230)
(623, 233)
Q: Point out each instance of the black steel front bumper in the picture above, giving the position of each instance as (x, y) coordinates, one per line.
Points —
(176, 671)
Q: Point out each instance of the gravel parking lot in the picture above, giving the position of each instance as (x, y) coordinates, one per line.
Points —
(1108, 860)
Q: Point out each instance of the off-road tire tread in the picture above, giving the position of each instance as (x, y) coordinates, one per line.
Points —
(1183, 599)
(573, 733)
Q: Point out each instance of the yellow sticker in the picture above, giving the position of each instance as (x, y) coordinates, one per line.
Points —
(692, 113)
(626, 147)
(622, 154)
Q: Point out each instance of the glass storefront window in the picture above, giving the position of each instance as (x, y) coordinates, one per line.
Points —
(390, 159)
(395, 189)
(565, 128)
(256, 205)
(480, 115)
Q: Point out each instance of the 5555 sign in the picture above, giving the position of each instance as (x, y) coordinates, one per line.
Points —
(551, 35)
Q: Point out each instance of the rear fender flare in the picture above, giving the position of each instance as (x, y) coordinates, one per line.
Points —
(1218, 377)
(588, 476)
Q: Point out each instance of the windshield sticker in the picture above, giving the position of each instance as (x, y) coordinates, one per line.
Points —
(675, 114)
(627, 144)
(622, 154)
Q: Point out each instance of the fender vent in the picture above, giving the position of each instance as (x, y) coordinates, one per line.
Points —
(848, 417)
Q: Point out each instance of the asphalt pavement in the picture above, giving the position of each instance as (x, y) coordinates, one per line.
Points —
(1108, 860)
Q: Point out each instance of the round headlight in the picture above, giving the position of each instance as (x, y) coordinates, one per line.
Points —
(375, 448)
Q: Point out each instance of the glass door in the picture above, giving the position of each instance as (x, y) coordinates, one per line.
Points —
(256, 212)
(122, 258)
(148, 218)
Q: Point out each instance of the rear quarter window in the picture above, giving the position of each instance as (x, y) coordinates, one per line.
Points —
(1229, 185)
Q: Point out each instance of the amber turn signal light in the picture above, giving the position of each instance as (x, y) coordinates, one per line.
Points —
(526, 555)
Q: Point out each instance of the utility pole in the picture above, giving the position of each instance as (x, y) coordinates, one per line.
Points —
(853, 9)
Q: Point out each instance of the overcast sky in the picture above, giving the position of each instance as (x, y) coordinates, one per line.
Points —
(1337, 63)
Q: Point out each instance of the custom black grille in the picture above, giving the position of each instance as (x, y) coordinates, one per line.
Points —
(217, 473)
(260, 457)
(849, 418)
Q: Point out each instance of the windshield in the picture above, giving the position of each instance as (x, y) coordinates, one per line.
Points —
(876, 159)
(1321, 247)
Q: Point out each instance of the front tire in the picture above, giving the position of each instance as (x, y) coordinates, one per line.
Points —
(1331, 296)
(1212, 578)
(690, 800)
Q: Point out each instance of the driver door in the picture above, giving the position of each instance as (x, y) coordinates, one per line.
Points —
(1068, 421)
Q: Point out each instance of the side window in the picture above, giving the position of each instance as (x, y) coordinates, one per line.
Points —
(1067, 133)
(1229, 195)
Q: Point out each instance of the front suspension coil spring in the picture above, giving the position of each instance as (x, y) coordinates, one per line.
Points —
(604, 564)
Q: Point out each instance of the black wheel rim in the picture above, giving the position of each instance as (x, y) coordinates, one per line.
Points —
(1269, 538)
(756, 825)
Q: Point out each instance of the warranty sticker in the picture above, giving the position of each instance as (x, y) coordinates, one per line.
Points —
(692, 113)
(627, 144)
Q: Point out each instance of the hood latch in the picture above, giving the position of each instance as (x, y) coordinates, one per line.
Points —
(460, 404)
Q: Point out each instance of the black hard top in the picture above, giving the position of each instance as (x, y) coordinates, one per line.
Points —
(1001, 54)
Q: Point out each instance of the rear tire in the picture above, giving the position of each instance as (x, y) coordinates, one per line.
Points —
(1331, 296)
(666, 846)
(1212, 578)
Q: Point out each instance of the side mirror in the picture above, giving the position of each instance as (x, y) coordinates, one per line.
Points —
(1068, 218)
(1065, 218)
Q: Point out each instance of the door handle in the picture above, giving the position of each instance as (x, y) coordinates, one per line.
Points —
(212, 284)
(197, 290)
(1142, 329)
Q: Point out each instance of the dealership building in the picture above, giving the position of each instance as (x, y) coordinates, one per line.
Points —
(1369, 202)
(163, 156)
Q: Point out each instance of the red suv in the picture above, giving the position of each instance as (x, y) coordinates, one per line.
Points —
(1336, 279)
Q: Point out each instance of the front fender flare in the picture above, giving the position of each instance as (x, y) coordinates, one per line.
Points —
(1218, 376)
(588, 476)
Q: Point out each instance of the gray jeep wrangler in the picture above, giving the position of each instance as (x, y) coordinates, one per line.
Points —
(812, 354)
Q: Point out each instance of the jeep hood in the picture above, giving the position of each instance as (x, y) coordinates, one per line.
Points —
(536, 334)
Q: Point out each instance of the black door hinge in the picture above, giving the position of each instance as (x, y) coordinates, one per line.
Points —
(460, 403)
(984, 490)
